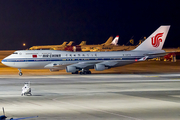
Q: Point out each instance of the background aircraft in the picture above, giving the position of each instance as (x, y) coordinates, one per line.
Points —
(66, 46)
(93, 48)
(47, 47)
(113, 46)
(74, 62)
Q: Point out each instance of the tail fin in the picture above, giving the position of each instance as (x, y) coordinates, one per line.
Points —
(115, 41)
(64, 43)
(108, 42)
(83, 43)
(70, 43)
(156, 40)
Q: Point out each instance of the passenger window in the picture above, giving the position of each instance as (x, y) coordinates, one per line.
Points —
(55, 55)
(45, 55)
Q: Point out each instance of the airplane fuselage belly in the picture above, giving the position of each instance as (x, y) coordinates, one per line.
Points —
(27, 65)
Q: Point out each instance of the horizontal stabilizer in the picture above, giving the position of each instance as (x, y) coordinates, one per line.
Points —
(143, 58)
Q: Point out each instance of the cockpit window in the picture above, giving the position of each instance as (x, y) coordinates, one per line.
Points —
(15, 53)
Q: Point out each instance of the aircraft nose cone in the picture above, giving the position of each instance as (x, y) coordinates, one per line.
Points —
(4, 61)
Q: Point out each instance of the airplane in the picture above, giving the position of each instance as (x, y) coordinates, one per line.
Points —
(105, 47)
(63, 46)
(86, 48)
(3, 117)
(81, 62)
(47, 47)
(110, 42)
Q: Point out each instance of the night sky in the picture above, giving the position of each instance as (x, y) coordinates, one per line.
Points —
(51, 22)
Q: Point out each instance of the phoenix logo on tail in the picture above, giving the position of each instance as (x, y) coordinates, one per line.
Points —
(156, 40)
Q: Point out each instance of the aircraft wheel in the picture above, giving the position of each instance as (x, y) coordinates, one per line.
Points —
(20, 74)
(75, 72)
(82, 73)
(85, 72)
(89, 72)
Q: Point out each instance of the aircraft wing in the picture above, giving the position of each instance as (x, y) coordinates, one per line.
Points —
(90, 65)
(57, 66)
(22, 118)
(84, 65)
(72, 67)
(79, 65)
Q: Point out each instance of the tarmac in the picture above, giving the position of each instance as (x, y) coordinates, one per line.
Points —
(93, 97)
(147, 90)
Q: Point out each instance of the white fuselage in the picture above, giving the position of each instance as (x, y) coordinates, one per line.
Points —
(47, 59)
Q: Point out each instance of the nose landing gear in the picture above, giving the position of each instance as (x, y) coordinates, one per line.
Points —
(20, 72)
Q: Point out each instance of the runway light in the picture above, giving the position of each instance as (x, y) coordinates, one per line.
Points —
(24, 44)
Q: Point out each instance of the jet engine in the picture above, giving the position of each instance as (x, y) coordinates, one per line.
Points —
(71, 69)
(99, 67)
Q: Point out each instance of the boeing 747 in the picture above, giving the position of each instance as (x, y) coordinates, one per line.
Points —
(81, 62)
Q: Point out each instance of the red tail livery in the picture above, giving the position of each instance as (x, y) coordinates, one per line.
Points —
(156, 40)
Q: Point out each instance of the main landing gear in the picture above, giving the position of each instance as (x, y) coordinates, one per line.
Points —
(20, 72)
(85, 72)
(82, 72)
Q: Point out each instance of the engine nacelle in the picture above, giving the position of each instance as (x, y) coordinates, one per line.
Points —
(99, 67)
(54, 70)
(71, 69)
